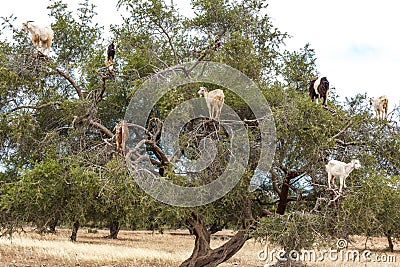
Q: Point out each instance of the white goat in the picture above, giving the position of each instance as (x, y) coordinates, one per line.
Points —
(340, 169)
(215, 101)
(39, 35)
(121, 136)
(380, 106)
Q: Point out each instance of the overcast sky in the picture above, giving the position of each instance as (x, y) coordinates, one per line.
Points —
(357, 43)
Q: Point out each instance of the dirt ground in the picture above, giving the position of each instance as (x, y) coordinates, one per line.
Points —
(147, 249)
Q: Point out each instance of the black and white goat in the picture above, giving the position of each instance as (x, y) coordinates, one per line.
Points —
(319, 88)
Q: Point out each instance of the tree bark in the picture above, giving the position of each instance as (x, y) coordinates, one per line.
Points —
(114, 230)
(52, 225)
(74, 231)
(203, 255)
(284, 191)
(390, 241)
(283, 197)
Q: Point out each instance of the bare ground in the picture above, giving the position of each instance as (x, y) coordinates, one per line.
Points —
(147, 249)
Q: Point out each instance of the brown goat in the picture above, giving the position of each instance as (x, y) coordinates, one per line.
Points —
(121, 136)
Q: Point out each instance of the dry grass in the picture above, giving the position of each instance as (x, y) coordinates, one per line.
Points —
(139, 248)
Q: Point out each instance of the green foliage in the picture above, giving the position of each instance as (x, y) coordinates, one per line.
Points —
(75, 37)
(373, 208)
(53, 191)
(118, 196)
(296, 230)
(298, 68)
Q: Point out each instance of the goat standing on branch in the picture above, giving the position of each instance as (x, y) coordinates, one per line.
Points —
(121, 136)
(319, 88)
(217, 43)
(380, 106)
(215, 101)
(110, 54)
(336, 168)
(39, 35)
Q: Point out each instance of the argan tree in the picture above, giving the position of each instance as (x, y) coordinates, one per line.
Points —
(58, 114)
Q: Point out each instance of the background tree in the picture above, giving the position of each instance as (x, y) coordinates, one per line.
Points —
(57, 122)
(373, 209)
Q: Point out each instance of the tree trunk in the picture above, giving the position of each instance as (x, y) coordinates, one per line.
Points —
(283, 197)
(283, 193)
(52, 225)
(203, 255)
(114, 230)
(74, 231)
(390, 241)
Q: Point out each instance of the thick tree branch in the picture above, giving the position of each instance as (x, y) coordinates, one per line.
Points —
(101, 127)
(72, 82)
(158, 152)
(203, 254)
(103, 89)
(284, 191)
(155, 162)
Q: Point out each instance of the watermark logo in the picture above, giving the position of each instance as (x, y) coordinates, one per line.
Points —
(338, 254)
(144, 100)
(341, 243)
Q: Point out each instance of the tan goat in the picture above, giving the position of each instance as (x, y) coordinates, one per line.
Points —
(215, 101)
(121, 136)
(380, 106)
(39, 35)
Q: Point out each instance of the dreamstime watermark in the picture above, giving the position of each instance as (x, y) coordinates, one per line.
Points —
(145, 99)
(339, 254)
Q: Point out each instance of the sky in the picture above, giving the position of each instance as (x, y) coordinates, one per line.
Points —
(357, 42)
